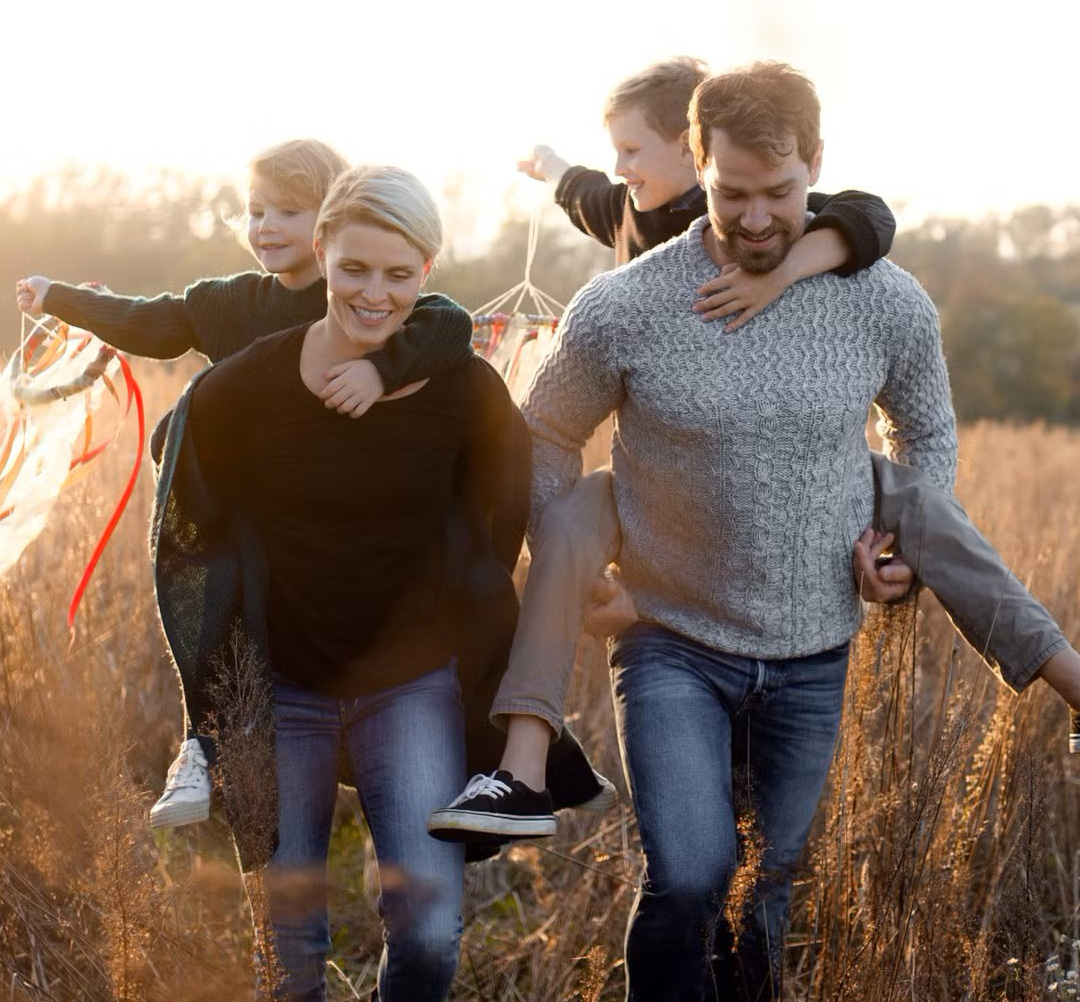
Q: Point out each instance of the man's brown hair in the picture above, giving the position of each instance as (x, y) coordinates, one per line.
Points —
(760, 107)
(662, 92)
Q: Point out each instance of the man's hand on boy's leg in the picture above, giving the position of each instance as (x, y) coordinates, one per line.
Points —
(544, 165)
(610, 608)
(879, 578)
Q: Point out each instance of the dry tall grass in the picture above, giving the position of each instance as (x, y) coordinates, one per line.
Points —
(945, 863)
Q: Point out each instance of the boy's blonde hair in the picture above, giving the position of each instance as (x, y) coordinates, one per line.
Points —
(388, 197)
(301, 169)
(662, 92)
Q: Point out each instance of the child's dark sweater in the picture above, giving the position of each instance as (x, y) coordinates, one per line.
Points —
(219, 316)
(606, 212)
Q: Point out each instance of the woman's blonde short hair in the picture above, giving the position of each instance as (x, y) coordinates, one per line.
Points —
(301, 169)
(388, 197)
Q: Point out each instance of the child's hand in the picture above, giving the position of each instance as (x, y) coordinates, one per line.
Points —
(738, 291)
(352, 387)
(30, 294)
(610, 609)
(544, 165)
(879, 582)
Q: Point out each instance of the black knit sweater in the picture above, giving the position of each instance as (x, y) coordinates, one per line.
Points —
(606, 212)
(219, 316)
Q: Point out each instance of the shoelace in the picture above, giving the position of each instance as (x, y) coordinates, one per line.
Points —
(183, 770)
(481, 785)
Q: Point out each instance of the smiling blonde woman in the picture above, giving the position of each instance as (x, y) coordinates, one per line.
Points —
(359, 524)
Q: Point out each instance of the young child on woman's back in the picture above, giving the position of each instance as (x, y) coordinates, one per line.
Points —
(220, 316)
(646, 118)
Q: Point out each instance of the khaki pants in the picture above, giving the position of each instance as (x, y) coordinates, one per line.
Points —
(579, 536)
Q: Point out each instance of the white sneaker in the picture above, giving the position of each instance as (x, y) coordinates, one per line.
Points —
(187, 790)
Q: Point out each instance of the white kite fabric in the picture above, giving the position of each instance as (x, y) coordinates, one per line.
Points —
(51, 393)
(513, 341)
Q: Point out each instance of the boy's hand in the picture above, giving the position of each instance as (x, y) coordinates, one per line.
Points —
(352, 387)
(30, 294)
(610, 608)
(879, 578)
(738, 291)
(544, 165)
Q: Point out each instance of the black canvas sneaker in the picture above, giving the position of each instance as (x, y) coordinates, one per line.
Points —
(494, 805)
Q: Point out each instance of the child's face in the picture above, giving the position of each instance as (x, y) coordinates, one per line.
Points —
(373, 277)
(655, 169)
(281, 234)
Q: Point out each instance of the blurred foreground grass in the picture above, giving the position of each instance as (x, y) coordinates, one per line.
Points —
(944, 865)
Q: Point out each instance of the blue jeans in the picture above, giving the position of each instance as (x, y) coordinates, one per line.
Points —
(699, 730)
(405, 749)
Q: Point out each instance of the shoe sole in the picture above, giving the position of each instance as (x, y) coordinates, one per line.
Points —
(175, 815)
(606, 799)
(459, 826)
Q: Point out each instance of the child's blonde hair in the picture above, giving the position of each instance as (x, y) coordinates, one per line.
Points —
(388, 197)
(301, 169)
(662, 92)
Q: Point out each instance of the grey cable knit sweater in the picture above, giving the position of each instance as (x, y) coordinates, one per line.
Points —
(741, 465)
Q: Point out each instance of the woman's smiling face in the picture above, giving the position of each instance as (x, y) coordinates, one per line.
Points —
(373, 278)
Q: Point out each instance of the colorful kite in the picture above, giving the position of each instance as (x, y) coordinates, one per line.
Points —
(51, 390)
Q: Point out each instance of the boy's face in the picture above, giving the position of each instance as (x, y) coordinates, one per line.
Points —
(756, 210)
(655, 169)
(281, 233)
(373, 277)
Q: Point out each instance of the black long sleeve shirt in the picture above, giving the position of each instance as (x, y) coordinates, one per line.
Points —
(605, 211)
(220, 316)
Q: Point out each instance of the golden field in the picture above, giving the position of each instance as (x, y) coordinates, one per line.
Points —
(945, 863)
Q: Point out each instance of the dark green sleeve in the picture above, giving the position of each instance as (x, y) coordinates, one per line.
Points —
(154, 328)
(864, 221)
(436, 337)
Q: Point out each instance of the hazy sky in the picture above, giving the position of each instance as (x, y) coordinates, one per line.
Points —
(941, 106)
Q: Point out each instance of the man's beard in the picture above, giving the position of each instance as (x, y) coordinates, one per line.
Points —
(754, 260)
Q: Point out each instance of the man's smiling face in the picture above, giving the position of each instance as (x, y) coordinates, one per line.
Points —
(757, 209)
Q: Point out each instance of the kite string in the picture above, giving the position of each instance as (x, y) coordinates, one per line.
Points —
(541, 301)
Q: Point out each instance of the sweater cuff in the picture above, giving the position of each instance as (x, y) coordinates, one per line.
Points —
(63, 302)
(858, 233)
